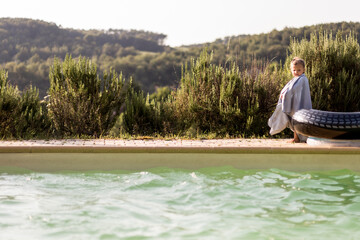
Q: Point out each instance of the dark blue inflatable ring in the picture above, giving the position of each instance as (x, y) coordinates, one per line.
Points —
(323, 124)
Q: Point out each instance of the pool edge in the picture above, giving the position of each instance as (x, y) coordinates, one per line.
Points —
(172, 149)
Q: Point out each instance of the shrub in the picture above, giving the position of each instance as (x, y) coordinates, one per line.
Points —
(32, 120)
(9, 105)
(137, 117)
(21, 115)
(143, 116)
(333, 70)
(80, 102)
(213, 99)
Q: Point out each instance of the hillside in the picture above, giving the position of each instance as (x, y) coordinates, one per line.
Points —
(21, 39)
(273, 45)
(28, 47)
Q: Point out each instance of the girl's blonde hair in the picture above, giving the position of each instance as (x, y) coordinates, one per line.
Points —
(297, 60)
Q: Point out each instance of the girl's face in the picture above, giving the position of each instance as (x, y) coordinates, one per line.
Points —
(297, 70)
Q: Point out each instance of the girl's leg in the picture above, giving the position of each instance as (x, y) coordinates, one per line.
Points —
(296, 139)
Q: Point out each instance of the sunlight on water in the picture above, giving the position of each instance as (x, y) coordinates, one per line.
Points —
(167, 203)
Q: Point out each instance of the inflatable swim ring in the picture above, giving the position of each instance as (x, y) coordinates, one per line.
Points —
(330, 125)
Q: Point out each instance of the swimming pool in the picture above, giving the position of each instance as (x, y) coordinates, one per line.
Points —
(171, 203)
(179, 193)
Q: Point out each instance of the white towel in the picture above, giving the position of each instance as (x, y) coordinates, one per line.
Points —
(293, 97)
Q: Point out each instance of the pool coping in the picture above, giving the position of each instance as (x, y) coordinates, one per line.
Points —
(266, 146)
(140, 155)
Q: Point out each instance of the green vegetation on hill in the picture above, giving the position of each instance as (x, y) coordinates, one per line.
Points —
(28, 48)
(227, 88)
(211, 100)
(274, 45)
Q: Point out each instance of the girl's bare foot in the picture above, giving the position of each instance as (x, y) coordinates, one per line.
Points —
(295, 140)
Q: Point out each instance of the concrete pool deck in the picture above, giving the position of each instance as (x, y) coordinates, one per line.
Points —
(109, 154)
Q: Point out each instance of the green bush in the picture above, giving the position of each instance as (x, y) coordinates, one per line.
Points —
(333, 70)
(21, 115)
(80, 102)
(138, 116)
(143, 116)
(213, 99)
(9, 105)
(32, 120)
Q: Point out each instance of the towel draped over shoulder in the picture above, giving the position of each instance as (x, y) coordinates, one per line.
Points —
(293, 97)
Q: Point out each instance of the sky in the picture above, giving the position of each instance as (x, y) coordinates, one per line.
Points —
(185, 21)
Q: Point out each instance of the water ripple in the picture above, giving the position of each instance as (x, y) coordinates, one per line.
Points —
(176, 204)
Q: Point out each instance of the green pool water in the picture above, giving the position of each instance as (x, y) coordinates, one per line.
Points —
(166, 203)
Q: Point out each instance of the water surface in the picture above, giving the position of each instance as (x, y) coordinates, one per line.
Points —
(165, 203)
